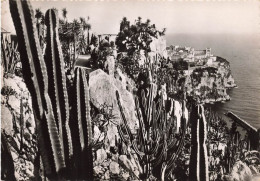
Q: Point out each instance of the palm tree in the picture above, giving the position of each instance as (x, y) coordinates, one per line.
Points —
(124, 24)
(85, 26)
(64, 14)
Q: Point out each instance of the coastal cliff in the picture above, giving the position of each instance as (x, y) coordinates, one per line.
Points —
(210, 83)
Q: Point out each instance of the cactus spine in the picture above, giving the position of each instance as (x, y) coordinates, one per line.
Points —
(199, 156)
(81, 127)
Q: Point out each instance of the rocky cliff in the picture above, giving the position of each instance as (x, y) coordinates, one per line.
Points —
(209, 83)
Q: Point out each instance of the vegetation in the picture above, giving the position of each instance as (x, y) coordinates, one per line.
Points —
(64, 153)
(156, 144)
(133, 39)
(72, 38)
(10, 57)
(200, 148)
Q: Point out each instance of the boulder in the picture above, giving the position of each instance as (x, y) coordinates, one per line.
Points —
(107, 175)
(240, 172)
(101, 156)
(103, 92)
(6, 120)
(110, 65)
(98, 170)
(10, 111)
(114, 168)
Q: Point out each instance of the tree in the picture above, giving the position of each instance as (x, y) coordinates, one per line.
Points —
(135, 39)
(64, 14)
(85, 26)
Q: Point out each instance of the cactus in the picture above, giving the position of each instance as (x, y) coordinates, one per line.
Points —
(199, 156)
(35, 76)
(21, 124)
(57, 89)
(45, 80)
(81, 128)
(154, 144)
(10, 56)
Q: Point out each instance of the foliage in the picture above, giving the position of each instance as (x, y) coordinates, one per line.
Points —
(135, 40)
(180, 65)
(72, 38)
(99, 54)
(10, 56)
(137, 36)
(7, 91)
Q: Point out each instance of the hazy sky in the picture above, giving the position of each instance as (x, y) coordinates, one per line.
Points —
(175, 16)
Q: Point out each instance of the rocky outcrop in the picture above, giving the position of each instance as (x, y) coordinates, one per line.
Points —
(241, 172)
(110, 65)
(102, 92)
(209, 83)
(18, 126)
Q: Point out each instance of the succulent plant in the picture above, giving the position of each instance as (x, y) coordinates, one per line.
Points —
(199, 156)
(154, 144)
(10, 56)
(44, 75)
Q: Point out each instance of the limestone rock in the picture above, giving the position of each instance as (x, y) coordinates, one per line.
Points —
(6, 120)
(98, 170)
(114, 168)
(103, 91)
(107, 175)
(110, 65)
(240, 172)
(101, 155)
(14, 103)
(11, 83)
(125, 175)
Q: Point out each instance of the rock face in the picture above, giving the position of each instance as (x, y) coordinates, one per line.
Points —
(102, 92)
(110, 65)
(241, 172)
(209, 84)
(18, 126)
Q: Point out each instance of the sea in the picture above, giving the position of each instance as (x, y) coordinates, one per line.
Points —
(243, 53)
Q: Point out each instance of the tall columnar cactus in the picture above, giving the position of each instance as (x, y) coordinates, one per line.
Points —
(155, 144)
(81, 128)
(45, 79)
(57, 89)
(35, 76)
(199, 155)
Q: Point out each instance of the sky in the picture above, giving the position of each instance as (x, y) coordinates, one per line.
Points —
(214, 17)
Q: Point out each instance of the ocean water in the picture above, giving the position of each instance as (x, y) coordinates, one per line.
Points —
(243, 53)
